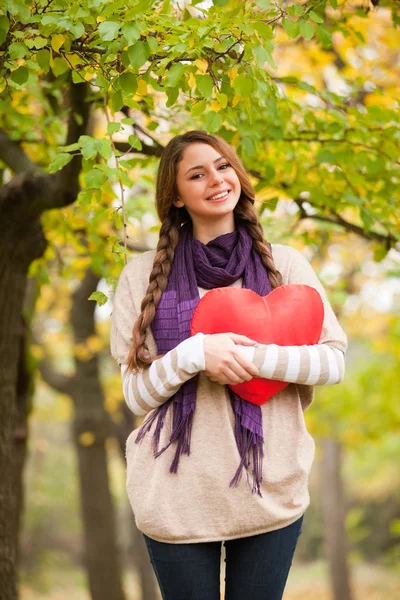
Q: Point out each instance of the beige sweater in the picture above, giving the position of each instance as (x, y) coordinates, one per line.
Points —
(196, 504)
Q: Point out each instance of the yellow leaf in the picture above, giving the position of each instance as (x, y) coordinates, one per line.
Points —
(191, 43)
(215, 105)
(232, 73)
(87, 438)
(82, 352)
(235, 139)
(57, 41)
(202, 64)
(101, 19)
(74, 59)
(142, 87)
(192, 80)
(235, 100)
(89, 74)
(94, 343)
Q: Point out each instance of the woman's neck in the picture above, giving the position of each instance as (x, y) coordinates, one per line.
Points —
(207, 231)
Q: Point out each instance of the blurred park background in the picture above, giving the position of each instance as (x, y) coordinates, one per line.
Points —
(90, 93)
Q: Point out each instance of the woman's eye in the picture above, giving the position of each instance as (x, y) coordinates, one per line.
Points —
(223, 165)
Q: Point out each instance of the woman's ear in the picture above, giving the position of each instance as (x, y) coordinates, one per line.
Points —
(178, 203)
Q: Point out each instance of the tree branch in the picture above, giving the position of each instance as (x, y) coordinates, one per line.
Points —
(147, 150)
(13, 155)
(389, 240)
(61, 383)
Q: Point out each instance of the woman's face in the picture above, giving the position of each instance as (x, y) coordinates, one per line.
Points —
(207, 185)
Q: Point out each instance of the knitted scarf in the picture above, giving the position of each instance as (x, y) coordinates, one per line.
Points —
(216, 264)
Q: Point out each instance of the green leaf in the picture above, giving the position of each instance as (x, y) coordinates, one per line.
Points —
(153, 44)
(260, 55)
(264, 30)
(40, 42)
(20, 76)
(269, 49)
(88, 145)
(117, 102)
(324, 156)
(243, 85)
(113, 127)
(99, 297)
(94, 178)
(4, 27)
(77, 30)
(60, 66)
(127, 82)
(43, 60)
(307, 30)
(222, 99)
(333, 3)
(134, 141)
(130, 32)
(367, 218)
(292, 29)
(325, 36)
(17, 50)
(105, 147)
(108, 30)
(198, 109)
(138, 54)
(295, 10)
(172, 94)
(314, 17)
(174, 75)
(70, 147)
(204, 84)
(59, 162)
(213, 121)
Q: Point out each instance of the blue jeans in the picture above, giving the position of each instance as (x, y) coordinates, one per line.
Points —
(257, 567)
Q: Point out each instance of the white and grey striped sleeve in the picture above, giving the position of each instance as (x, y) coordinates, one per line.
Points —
(151, 387)
(318, 364)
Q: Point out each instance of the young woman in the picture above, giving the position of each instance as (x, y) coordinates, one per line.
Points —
(206, 466)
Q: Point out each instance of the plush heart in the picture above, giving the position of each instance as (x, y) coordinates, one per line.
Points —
(290, 315)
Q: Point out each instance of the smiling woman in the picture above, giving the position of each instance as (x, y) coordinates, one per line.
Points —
(185, 481)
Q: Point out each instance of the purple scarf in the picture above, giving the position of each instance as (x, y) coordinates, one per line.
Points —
(216, 264)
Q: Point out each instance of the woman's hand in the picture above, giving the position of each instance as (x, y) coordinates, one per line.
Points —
(224, 364)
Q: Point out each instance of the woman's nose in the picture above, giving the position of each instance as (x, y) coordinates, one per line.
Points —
(216, 176)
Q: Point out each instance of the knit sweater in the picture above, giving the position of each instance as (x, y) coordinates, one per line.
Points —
(196, 504)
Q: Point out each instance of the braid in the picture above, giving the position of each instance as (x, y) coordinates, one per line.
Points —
(249, 219)
(158, 280)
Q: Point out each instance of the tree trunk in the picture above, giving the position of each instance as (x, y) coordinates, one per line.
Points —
(148, 582)
(92, 427)
(334, 513)
(25, 390)
(19, 246)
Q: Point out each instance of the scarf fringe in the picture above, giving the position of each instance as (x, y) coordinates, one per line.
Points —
(250, 446)
(181, 432)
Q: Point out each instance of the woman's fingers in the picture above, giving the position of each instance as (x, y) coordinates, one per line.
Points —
(242, 339)
(247, 366)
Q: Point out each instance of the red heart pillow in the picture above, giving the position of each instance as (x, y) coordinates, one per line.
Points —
(290, 315)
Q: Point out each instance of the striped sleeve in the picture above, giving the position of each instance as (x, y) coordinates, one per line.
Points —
(318, 364)
(151, 387)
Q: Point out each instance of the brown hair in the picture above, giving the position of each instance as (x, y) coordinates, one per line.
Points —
(172, 219)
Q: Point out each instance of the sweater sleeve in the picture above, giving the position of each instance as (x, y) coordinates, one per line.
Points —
(147, 389)
(151, 387)
(318, 364)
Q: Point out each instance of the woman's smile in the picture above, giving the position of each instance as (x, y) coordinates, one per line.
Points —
(219, 197)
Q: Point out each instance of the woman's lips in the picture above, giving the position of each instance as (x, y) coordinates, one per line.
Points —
(220, 199)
